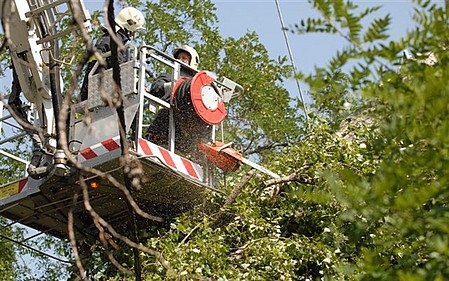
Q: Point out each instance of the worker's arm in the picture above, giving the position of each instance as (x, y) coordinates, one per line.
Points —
(158, 87)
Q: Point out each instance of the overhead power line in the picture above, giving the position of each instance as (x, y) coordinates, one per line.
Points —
(33, 249)
(284, 31)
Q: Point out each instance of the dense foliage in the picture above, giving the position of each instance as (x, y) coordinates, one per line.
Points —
(368, 200)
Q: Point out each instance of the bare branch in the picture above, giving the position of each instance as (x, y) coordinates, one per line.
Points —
(72, 238)
(270, 146)
(233, 195)
(280, 180)
(274, 186)
(125, 239)
(238, 188)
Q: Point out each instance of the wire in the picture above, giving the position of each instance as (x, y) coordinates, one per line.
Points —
(31, 248)
(291, 59)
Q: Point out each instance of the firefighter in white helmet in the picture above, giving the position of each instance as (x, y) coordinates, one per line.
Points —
(129, 20)
(187, 55)
(161, 88)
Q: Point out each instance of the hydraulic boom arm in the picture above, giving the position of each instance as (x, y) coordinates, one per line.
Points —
(33, 30)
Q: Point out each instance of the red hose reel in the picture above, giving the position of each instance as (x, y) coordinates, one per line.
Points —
(204, 97)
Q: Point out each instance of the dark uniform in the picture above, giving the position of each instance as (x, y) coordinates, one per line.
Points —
(189, 128)
(158, 130)
(104, 46)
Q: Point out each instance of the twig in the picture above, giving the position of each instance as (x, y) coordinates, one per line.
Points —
(190, 233)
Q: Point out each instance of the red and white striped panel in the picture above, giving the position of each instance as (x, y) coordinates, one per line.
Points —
(172, 160)
(98, 149)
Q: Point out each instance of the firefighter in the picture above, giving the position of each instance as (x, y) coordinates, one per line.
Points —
(161, 88)
(129, 20)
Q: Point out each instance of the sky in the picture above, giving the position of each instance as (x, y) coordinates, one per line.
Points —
(238, 17)
(261, 16)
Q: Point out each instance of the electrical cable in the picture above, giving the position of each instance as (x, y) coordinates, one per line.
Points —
(33, 249)
(291, 59)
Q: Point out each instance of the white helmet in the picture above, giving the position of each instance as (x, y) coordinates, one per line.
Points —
(194, 60)
(130, 19)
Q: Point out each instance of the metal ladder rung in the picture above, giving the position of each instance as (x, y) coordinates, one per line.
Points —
(55, 36)
(37, 12)
(45, 8)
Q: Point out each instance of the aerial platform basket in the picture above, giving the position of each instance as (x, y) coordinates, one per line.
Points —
(172, 184)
